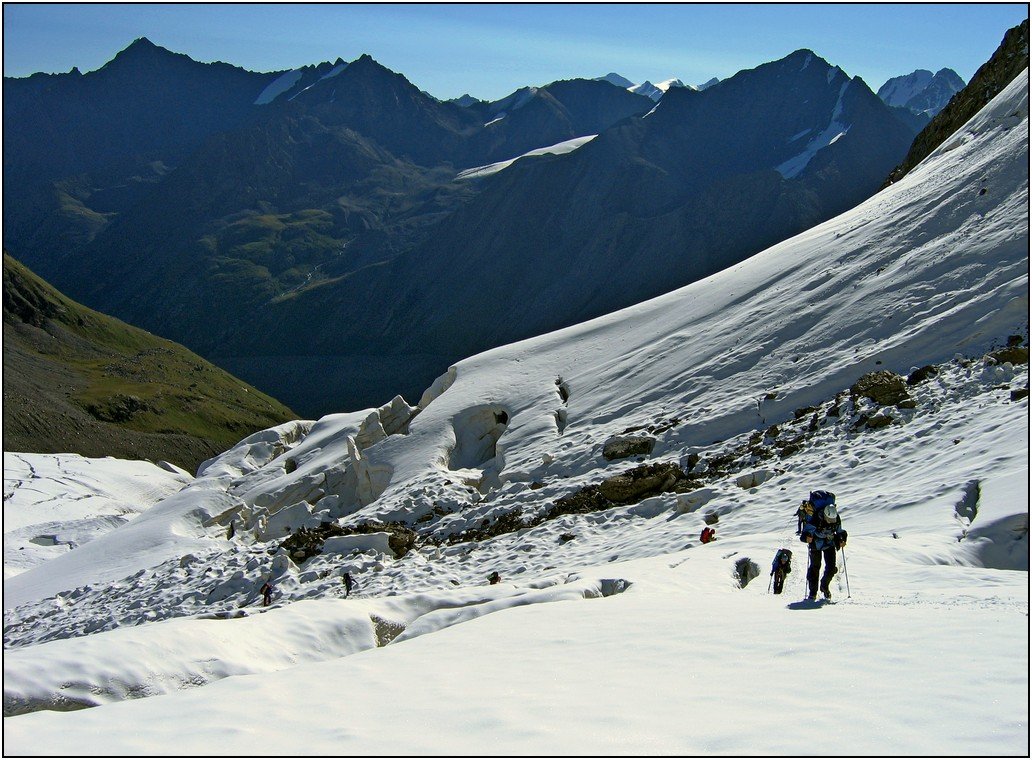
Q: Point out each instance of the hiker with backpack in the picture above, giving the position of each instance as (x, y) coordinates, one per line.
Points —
(820, 526)
(779, 569)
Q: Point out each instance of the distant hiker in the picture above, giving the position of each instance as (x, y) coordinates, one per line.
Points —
(348, 584)
(781, 567)
(707, 535)
(494, 578)
(266, 594)
(821, 527)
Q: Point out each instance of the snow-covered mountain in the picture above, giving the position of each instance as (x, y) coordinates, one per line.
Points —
(581, 466)
(656, 91)
(921, 91)
(647, 88)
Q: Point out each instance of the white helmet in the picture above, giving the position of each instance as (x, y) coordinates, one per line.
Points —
(830, 513)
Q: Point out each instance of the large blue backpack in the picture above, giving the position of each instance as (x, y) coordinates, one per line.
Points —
(821, 499)
(816, 503)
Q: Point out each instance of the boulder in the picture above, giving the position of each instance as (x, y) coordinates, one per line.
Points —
(1011, 354)
(880, 420)
(623, 446)
(882, 387)
(402, 540)
(641, 482)
(921, 374)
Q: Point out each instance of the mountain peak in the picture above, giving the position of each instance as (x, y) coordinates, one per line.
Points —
(142, 46)
(366, 64)
(141, 43)
(804, 58)
(614, 78)
(142, 49)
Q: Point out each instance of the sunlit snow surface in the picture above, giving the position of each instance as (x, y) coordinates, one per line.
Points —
(566, 146)
(631, 637)
(54, 502)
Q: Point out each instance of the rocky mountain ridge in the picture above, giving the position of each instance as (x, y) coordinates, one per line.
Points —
(334, 202)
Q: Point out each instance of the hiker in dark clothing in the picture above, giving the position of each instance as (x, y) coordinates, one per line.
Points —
(494, 578)
(821, 528)
(266, 594)
(348, 584)
(780, 568)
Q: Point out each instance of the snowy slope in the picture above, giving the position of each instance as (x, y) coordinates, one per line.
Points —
(566, 146)
(649, 643)
(55, 502)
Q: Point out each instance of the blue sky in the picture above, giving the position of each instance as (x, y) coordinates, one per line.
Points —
(489, 50)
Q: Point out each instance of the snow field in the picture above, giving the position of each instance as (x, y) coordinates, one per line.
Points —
(680, 656)
(55, 502)
(566, 146)
(660, 669)
(927, 655)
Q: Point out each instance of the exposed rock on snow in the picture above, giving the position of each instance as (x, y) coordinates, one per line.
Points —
(921, 374)
(882, 387)
(623, 446)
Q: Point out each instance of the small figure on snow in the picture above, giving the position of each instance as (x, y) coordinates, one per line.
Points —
(707, 535)
(266, 591)
(348, 584)
(821, 527)
(780, 568)
(494, 578)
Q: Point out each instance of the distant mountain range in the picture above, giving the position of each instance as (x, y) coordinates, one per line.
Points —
(310, 229)
(646, 88)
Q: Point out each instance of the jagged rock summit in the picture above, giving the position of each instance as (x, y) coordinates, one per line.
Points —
(921, 91)
(1008, 61)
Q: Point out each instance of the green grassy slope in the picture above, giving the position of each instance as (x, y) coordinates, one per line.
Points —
(78, 381)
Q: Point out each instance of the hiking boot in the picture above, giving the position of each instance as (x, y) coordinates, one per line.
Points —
(826, 590)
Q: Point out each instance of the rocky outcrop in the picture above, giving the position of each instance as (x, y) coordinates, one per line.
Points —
(1011, 354)
(626, 488)
(623, 446)
(308, 542)
(884, 388)
(921, 374)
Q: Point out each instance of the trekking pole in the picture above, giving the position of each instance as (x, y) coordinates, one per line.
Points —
(845, 572)
(770, 582)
